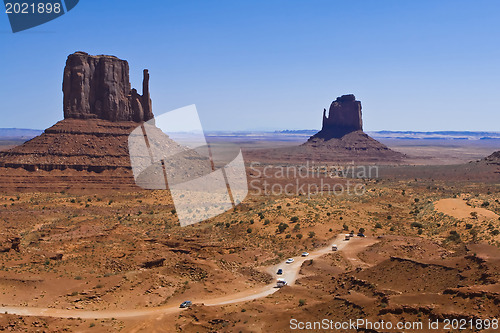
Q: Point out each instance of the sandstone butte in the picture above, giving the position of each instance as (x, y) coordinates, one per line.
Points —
(340, 140)
(88, 149)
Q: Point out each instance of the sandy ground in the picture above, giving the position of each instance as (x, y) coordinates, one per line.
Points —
(459, 209)
(290, 274)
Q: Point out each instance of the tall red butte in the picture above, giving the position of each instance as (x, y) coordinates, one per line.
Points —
(89, 148)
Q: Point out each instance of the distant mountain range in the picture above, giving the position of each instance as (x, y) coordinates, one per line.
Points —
(18, 133)
(438, 135)
(26, 134)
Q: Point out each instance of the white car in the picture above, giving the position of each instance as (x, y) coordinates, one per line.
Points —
(305, 254)
(280, 283)
(289, 260)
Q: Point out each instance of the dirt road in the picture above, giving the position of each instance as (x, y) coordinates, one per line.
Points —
(290, 274)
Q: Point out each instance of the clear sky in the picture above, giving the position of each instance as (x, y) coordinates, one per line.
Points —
(273, 64)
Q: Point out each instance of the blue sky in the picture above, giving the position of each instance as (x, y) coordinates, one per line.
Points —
(274, 64)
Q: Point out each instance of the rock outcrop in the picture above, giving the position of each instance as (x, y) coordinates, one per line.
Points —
(99, 87)
(344, 117)
(493, 158)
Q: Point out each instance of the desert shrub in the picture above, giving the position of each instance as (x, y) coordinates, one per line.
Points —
(302, 302)
(416, 225)
(420, 231)
(288, 236)
(345, 227)
(495, 232)
(362, 230)
(378, 226)
(228, 224)
(249, 230)
(288, 204)
(252, 221)
(328, 214)
(485, 204)
(299, 236)
(282, 226)
(453, 236)
(266, 222)
(416, 199)
(173, 211)
(311, 234)
(468, 226)
(278, 207)
(296, 227)
(294, 219)
(389, 217)
(392, 229)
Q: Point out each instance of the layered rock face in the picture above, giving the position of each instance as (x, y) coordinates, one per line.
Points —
(344, 117)
(99, 87)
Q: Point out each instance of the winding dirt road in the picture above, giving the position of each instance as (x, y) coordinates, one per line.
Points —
(290, 274)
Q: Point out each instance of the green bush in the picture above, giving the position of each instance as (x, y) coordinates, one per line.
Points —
(281, 227)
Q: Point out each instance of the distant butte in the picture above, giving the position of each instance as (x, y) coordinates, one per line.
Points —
(340, 140)
(342, 134)
(344, 117)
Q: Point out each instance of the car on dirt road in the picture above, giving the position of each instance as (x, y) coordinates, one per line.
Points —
(280, 271)
(280, 283)
(335, 247)
(289, 260)
(305, 254)
(186, 304)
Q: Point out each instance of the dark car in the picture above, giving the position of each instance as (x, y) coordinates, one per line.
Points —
(361, 234)
(186, 304)
(280, 271)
